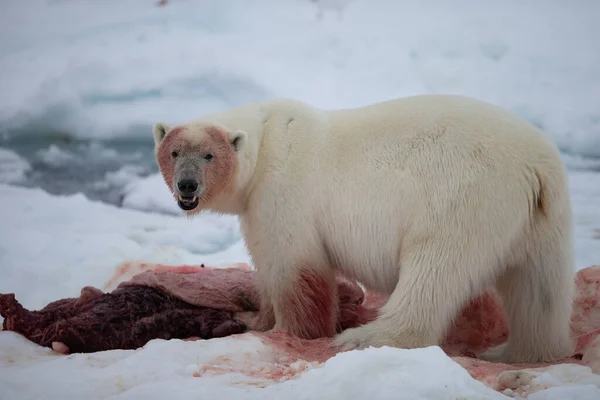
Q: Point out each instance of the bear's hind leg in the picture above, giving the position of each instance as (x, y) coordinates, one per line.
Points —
(536, 296)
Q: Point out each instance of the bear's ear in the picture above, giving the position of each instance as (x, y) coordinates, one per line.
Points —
(160, 130)
(238, 139)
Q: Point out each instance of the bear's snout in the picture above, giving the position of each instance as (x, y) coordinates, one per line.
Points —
(187, 187)
(188, 192)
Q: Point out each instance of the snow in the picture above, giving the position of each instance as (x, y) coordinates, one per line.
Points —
(122, 177)
(150, 194)
(110, 69)
(583, 392)
(585, 199)
(13, 167)
(54, 156)
(52, 246)
(165, 369)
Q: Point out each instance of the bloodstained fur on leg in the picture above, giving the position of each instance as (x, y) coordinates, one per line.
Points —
(310, 306)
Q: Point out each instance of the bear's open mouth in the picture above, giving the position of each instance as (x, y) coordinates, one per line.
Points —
(187, 203)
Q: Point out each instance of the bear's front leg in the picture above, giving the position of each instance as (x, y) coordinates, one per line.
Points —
(435, 281)
(303, 298)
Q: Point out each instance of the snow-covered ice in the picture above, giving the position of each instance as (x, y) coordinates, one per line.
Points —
(110, 69)
(12, 166)
(52, 246)
(166, 370)
(150, 194)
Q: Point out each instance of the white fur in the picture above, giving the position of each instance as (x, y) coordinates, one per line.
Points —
(426, 198)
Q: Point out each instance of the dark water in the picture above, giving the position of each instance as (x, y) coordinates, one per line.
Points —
(100, 169)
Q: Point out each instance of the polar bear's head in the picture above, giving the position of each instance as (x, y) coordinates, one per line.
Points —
(200, 164)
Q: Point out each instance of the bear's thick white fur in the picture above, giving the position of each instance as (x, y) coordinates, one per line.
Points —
(425, 198)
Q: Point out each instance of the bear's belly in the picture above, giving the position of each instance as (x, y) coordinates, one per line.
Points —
(366, 252)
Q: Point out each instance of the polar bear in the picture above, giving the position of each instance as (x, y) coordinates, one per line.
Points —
(428, 199)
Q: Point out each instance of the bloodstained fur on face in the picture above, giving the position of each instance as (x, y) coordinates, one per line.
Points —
(219, 173)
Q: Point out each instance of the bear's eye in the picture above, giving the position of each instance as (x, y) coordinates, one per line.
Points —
(174, 154)
(208, 157)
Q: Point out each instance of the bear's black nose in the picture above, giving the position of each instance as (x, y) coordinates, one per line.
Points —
(187, 186)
